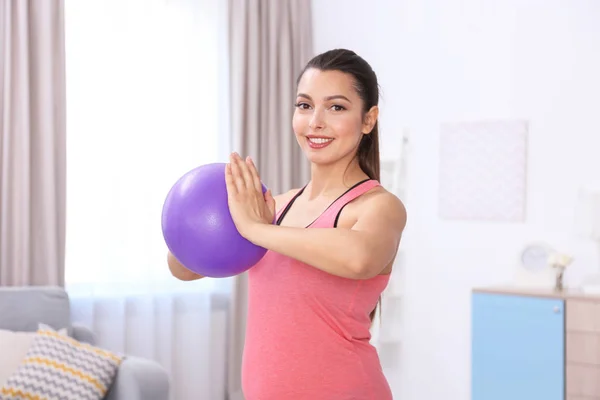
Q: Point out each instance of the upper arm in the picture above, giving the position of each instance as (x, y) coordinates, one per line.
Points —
(382, 219)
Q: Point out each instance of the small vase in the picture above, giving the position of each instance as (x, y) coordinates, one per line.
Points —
(559, 285)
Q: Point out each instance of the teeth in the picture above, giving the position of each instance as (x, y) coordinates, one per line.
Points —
(319, 140)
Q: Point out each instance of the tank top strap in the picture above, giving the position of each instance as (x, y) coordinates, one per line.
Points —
(288, 204)
(330, 216)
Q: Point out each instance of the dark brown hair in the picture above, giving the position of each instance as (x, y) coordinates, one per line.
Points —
(367, 87)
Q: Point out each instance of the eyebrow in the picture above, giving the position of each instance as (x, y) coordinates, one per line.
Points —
(328, 98)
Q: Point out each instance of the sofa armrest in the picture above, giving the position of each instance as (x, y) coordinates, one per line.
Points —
(140, 379)
(83, 334)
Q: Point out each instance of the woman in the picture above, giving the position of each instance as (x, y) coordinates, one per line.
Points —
(313, 296)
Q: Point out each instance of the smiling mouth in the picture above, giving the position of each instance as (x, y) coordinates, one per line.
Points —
(318, 142)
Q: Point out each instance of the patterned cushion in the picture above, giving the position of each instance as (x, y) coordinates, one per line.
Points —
(59, 367)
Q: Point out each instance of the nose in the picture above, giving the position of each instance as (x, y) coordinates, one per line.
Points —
(316, 121)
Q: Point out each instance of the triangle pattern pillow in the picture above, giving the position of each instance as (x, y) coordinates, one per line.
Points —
(59, 367)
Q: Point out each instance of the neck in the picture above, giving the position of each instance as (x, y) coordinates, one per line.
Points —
(330, 180)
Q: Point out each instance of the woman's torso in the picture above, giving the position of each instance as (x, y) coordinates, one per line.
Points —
(307, 331)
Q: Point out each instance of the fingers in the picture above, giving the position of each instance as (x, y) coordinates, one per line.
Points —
(237, 174)
(248, 180)
(241, 173)
(254, 173)
(270, 200)
(229, 181)
(245, 174)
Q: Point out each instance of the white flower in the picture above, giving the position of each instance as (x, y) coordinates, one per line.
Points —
(559, 260)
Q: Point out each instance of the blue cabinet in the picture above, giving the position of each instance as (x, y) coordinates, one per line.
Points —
(518, 347)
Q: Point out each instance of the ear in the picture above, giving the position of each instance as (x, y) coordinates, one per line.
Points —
(370, 120)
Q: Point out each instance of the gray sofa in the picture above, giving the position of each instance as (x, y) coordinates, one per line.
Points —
(23, 308)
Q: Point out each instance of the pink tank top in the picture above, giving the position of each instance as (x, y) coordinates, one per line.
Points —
(307, 335)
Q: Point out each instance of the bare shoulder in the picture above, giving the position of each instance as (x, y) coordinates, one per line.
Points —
(380, 204)
(283, 198)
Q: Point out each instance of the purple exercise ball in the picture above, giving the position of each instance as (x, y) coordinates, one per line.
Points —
(198, 228)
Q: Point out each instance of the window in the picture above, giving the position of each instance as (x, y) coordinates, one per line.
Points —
(143, 107)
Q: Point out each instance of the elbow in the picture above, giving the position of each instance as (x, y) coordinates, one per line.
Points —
(179, 271)
(364, 267)
(372, 259)
(185, 276)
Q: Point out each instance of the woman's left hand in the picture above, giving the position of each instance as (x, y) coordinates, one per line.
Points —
(247, 204)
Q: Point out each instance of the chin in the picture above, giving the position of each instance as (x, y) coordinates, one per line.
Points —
(321, 157)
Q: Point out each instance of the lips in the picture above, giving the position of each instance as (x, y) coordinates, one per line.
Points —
(318, 142)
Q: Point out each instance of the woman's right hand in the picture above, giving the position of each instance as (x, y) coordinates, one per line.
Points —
(179, 271)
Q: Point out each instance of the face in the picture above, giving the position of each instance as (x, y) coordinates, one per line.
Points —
(329, 120)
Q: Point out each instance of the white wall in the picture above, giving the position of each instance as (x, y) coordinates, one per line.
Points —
(453, 60)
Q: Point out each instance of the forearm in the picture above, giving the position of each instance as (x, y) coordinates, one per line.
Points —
(342, 252)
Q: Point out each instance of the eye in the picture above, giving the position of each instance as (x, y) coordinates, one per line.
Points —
(337, 107)
(302, 106)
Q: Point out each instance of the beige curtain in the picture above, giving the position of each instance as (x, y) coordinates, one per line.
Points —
(32, 142)
(270, 42)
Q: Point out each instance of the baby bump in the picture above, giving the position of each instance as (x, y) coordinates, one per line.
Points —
(297, 371)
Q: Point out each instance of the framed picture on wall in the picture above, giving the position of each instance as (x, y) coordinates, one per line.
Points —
(483, 170)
